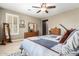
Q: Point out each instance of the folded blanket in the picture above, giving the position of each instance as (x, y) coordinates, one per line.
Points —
(45, 43)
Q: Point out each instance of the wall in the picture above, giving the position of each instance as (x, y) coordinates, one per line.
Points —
(23, 17)
(1, 25)
(69, 19)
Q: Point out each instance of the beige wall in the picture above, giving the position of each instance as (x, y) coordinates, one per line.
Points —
(0, 25)
(23, 17)
(69, 19)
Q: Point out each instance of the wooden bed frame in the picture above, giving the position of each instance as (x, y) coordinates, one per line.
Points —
(55, 31)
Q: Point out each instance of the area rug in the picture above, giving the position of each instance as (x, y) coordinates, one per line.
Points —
(17, 54)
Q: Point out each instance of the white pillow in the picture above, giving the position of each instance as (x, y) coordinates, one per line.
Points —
(77, 28)
(72, 44)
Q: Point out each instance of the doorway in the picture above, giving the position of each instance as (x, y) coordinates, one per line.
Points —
(45, 27)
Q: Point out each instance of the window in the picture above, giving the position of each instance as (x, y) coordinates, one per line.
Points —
(13, 21)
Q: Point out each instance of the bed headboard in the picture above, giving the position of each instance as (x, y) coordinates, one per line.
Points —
(55, 31)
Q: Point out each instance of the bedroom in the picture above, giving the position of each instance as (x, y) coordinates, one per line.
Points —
(23, 18)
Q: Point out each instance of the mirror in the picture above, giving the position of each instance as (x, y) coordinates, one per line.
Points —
(32, 27)
(6, 34)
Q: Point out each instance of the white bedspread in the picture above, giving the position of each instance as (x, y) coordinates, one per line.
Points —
(35, 49)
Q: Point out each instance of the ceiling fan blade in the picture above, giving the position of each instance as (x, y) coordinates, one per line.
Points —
(38, 11)
(49, 7)
(35, 7)
(46, 11)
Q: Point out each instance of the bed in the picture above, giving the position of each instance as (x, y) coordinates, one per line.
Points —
(42, 45)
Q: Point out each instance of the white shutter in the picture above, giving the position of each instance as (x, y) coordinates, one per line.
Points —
(13, 21)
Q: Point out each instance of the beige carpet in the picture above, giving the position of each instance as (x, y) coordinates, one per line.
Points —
(10, 48)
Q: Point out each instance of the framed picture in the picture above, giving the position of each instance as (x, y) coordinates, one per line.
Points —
(22, 24)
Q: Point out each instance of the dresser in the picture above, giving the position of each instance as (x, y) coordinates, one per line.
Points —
(30, 34)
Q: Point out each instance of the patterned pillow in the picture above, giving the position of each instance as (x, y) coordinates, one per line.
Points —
(70, 36)
(65, 36)
(72, 44)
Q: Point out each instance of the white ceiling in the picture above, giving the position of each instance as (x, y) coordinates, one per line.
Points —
(27, 8)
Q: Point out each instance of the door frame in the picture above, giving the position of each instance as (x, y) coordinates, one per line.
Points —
(44, 29)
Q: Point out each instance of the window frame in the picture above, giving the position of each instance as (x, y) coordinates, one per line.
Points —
(13, 15)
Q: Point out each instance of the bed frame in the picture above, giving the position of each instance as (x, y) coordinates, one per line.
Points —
(55, 31)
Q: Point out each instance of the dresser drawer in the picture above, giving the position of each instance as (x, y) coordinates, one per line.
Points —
(30, 34)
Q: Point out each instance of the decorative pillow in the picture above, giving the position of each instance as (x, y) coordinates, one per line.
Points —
(70, 35)
(72, 44)
(65, 36)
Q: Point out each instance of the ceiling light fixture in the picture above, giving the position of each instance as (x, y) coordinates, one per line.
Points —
(43, 9)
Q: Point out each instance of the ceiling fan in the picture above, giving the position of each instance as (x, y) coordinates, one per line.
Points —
(44, 7)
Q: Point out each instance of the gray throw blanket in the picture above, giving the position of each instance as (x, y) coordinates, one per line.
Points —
(46, 43)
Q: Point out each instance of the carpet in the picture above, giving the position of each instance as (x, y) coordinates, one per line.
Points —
(18, 54)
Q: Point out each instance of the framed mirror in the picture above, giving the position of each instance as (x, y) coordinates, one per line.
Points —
(6, 34)
(32, 27)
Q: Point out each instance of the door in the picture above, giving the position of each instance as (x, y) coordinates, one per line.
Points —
(44, 27)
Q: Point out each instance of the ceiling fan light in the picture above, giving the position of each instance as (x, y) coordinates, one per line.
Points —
(43, 9)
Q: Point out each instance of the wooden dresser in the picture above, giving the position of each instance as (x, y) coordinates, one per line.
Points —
(30, 34)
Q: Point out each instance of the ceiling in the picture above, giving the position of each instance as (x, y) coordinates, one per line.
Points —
(27, 8)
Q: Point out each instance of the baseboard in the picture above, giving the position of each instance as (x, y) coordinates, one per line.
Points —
(16, 40)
